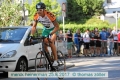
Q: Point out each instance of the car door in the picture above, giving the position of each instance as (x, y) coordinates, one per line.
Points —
(32, 50)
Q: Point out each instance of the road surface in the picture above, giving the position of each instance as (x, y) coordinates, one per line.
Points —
(90, 64)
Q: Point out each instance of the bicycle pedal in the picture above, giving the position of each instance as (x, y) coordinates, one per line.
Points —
(40, 66)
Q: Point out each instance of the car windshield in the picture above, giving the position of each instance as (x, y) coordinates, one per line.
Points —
(11, 35)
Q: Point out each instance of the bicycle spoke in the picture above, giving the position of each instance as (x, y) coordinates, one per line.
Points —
(40, 64)
(61, 62)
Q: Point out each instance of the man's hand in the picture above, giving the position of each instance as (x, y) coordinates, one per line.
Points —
(51, 33)
(30, 38)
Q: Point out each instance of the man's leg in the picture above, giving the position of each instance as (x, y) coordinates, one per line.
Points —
(78, 49)
(46, 47)
(54, 50)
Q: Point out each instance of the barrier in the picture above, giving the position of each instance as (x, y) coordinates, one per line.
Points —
(93, 39)
(109, 40)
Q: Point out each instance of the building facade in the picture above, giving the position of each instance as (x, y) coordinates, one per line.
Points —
(112, 8)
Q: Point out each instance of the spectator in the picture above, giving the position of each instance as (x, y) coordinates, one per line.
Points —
(118, 42)
(95, 29)
(77, 41)
(92, 43)
(103, 37)
(115, 38)
(97, 43)
(60, 36)
(69, 37)
(86, 40)
(110, 43)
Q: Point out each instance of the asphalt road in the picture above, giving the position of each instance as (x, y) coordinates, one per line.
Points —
(89, 64)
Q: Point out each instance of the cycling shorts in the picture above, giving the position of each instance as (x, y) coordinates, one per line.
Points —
(46, 31)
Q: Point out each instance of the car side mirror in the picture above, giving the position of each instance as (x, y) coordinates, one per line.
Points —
(32, 42)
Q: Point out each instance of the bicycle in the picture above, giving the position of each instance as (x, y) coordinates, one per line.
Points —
(47, 59)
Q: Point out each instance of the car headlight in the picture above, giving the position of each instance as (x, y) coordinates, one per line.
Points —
(9, 54)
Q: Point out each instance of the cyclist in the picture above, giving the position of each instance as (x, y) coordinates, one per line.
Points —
(51, 27)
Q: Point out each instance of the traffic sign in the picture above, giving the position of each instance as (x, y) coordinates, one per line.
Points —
(64, 9)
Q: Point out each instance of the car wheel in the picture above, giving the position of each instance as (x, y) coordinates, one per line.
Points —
(22, 65)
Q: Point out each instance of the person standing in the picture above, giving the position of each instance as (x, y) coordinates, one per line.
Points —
(115, 38)
(77, 41)
(86, 40)
(103, 37)
(97, 43)
(118, 35)
(69, 37)
(60, 36)
(110, 43)
(92, 43)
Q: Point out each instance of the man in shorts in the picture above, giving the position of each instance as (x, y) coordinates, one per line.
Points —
(51, 26)
(86, 40)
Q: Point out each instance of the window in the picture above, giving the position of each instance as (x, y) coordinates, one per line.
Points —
(108, 1)
(11, 34)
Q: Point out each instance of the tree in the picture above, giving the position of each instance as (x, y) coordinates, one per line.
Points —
(84, 9)
(10, 13)
(51, 5)
(93, 7)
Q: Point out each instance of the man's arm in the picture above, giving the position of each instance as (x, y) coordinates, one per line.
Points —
(56, 24)
(34, 27)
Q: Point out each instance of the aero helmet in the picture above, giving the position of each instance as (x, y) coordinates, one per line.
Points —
(40, 5)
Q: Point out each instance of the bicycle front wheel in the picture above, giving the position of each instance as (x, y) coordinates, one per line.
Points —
(40, 62)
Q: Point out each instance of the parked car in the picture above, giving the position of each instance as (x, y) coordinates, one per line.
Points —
(16, 53)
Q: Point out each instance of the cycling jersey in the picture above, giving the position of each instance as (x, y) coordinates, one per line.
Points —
(46, 20)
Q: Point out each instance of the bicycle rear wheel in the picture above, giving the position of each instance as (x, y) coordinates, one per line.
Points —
(61, 62)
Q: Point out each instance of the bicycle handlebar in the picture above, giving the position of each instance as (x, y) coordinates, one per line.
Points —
(41, 37)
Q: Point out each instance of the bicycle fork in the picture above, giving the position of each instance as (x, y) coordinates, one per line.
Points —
(49, 61)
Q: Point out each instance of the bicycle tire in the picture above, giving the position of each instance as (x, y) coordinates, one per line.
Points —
(40, 63)
(61, 62)
(61, 59)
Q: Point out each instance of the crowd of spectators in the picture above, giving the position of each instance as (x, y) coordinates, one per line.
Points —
(96, 43)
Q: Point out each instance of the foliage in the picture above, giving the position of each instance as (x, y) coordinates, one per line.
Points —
(84, 9)
(51, 5)
(10, 13)
(119, 23)
(92, 7)
(91, 24)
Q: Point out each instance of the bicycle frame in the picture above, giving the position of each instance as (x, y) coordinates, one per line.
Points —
(46, 55)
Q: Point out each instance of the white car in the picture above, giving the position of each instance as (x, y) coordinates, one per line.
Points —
(16, 54)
